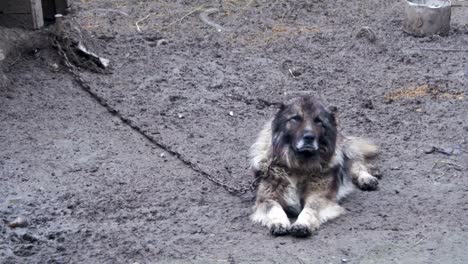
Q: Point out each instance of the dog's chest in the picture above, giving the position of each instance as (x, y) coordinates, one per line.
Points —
(306, 181)
(292, 194)
(300, 184)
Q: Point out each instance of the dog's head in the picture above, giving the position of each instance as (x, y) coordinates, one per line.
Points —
(304, 134)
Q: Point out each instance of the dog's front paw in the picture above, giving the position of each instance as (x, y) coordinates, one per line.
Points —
(368, 183)
(279, 230)
(300, 230)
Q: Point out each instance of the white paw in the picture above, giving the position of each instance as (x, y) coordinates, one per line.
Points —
(330, 212)
(367, 182)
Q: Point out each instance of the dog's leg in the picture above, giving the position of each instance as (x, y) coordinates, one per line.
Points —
(362, 178)
(317, 210)
(330, 211)
(270, 214)
(307, 222)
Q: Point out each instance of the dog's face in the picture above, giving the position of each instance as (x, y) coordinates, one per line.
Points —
(304, 134)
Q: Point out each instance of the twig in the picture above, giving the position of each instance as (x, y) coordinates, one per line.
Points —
(15, 61)
(450, 163)
(141, 20)
(292, 74)
(105, 11)
(368, 33)
(445, 162)
(419, 241)
(247, 5)
(184, 16)
(249, 101)
(204, 18)
(440, 49)
(298, 92)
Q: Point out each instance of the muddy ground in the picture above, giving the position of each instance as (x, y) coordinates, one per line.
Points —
(96, 187)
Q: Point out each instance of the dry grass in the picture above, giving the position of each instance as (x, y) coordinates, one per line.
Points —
(277, 32)
(424, 90)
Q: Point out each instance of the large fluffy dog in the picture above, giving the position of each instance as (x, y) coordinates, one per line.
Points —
(306, 166)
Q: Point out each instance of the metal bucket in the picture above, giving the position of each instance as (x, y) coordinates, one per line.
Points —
(427, 17)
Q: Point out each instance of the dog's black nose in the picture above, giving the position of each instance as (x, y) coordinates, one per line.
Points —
(308, 138)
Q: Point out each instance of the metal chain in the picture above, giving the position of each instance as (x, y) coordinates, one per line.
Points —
(73, 70)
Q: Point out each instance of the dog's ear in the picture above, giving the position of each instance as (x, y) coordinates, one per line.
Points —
(278, 116)
(333, 110)
(281, 108)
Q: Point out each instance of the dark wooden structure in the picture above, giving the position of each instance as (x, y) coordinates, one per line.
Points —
(30, 13)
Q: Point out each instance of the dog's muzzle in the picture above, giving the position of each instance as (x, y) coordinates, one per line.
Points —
(307, 145)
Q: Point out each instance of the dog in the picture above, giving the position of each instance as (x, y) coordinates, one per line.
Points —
(305, 167)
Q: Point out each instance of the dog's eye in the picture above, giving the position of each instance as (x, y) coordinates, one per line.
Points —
(318, 120)
(295, 118)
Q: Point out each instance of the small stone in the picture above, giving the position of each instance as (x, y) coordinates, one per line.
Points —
(296, 71)
(19, 222)
(367, 104)
(388, 101)
(29, 238)
(162, 42)
(231, 113)
(344, 260)
(61, 248)
(429, 150)
(180, 115)
(162, 155)
(175, 71)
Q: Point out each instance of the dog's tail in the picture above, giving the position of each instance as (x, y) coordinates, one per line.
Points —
(360, 148)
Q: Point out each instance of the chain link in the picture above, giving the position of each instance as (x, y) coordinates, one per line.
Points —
(73, 70)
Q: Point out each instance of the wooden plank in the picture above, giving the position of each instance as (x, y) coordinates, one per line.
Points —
(15, 6)
(16, 20)
(33, 19)
(36, 11)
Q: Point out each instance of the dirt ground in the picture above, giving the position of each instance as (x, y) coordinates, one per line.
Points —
(96, 189)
